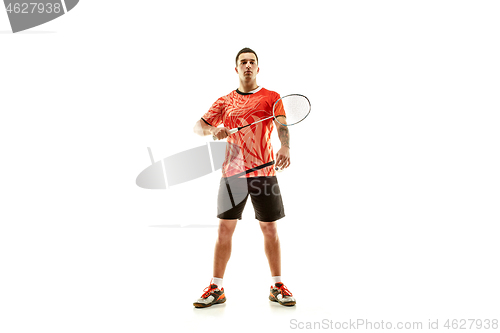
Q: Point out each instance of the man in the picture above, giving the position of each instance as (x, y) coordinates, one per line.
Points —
(247, 170)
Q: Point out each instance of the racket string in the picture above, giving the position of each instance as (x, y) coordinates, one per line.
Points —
(296, 108)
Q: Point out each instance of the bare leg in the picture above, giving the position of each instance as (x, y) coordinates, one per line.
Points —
(272, 246)
(223, 246)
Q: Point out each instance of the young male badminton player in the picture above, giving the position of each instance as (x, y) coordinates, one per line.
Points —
(254, 156)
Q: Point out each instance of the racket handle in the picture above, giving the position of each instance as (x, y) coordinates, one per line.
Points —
(231, 131)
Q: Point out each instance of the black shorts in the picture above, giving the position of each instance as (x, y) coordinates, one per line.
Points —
(265, 194)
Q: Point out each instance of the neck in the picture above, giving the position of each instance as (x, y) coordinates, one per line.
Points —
(248, 86)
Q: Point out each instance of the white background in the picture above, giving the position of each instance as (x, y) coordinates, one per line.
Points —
(391, 200)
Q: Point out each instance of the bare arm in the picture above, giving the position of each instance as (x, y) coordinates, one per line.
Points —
(283, 132)
(202, 128)
(283, 155)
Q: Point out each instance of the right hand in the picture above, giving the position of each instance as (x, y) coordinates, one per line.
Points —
(220, 132)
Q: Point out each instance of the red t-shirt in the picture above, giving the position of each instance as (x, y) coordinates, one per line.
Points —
(251, 146)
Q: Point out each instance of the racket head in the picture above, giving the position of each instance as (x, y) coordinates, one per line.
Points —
(294, 107)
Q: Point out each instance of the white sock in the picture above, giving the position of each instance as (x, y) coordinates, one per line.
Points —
(276, 279)
(217, 281)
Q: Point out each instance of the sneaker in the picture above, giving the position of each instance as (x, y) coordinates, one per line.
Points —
(280, 293)
(212, 295)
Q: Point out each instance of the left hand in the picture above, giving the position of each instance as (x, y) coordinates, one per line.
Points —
(283, 157)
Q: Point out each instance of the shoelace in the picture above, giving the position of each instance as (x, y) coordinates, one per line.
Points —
(208, 290)
(284, 290)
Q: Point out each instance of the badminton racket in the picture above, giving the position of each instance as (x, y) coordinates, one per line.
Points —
(294, 108)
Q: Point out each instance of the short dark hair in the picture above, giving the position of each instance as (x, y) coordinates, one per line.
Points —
(246, 50)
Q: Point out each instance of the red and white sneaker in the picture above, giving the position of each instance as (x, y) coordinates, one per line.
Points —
(281, 294)
(212, 295)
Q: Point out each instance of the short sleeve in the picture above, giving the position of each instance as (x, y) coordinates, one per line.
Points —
(214, 114)
(279, 110)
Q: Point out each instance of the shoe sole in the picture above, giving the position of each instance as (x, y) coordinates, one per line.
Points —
(284, 304)
(201, 305)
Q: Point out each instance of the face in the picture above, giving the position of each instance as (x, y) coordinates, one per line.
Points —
(247, 68)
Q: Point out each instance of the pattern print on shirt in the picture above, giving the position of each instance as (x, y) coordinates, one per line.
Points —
(254, 142)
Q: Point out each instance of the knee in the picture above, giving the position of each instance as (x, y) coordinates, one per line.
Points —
(269, 229)
(225, 231)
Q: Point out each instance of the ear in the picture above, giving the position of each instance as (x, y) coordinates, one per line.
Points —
(236, 69)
